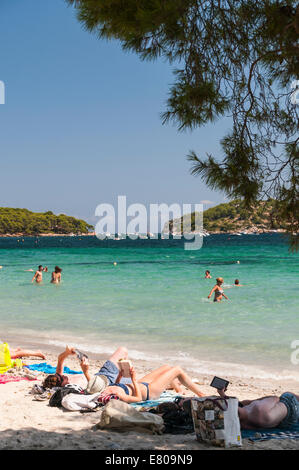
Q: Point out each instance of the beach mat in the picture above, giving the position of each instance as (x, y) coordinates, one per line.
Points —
(48, 369)
(275, 433)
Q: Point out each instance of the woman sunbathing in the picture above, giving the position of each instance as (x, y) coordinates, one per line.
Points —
(150, 386)
(19, 353)
(110, 380)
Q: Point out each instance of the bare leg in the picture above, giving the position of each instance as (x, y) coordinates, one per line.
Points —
(177, 386)
(154, 374)
(174, 385)
(160, 384)
(18, 353)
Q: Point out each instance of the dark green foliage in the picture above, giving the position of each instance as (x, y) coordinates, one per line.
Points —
(237, 216)
(235, 58)
(31, 223)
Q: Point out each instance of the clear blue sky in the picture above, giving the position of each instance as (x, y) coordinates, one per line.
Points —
(81, 124)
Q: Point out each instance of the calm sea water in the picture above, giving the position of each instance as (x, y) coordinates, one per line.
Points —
(155, 299)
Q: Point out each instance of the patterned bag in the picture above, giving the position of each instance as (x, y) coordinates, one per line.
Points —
(216, 421)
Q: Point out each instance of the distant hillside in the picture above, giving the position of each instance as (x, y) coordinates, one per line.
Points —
(23, 221)
(234, 217)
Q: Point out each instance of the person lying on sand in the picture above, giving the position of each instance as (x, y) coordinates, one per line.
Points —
(19, 353)
(151, 385)
(60, 380)
(109, 379)
(218, 291)
(268, 412)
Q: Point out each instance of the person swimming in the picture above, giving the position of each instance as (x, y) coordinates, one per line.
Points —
(56, 275)
(38, 276)
(208, 275)
(218, 291)
(237, 283)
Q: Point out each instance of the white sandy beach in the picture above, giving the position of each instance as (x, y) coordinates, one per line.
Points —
(29, 424)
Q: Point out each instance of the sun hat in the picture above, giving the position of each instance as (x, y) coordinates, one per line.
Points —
(97, 384)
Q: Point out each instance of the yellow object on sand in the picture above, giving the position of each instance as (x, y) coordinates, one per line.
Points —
(5, 359)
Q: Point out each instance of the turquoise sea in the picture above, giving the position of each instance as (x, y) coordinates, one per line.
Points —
(154, 300)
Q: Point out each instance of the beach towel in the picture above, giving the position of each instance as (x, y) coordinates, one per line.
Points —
(48, 369)
(275, 433)
(165, 396)
(6, 378)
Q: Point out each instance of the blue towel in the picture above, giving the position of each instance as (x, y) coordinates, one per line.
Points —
(275, 433)
(48, 369)
(165, 397)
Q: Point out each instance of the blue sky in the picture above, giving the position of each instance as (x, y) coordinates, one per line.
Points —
(81, 123)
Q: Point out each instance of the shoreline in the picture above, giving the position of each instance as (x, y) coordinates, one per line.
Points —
(204, 370)
(92, 234)
(203, 366)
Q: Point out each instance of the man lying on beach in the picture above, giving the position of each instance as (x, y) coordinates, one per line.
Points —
(268, 412)
(109, 380)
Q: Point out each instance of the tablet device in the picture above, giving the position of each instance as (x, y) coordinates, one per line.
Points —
(220, 384)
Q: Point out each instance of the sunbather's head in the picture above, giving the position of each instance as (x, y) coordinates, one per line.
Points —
(55, 380)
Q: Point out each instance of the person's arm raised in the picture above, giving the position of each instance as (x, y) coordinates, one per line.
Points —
(61, 358)
(136, 396)
(118, 378)
(85, 368)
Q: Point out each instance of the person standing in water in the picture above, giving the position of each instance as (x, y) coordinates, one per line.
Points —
(208, 275)
(218, 291)
(56, 275)
(38, 276)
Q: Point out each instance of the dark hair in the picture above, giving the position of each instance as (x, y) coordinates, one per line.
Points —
(207, 271)
(55, 380)
(40, 266)
(57, 269)
(237, 281)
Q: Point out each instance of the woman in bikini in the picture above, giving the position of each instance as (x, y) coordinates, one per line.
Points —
(148, 387)
(151, 385)
(56, 275)
(218, 291)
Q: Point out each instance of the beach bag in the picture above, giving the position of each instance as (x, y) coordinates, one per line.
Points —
(216, 421)
(5, 359)
(120, 416)
(61, 392)
(79, 402)
(177, 417)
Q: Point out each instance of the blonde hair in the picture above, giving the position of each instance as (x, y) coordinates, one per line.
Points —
(219, 280)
